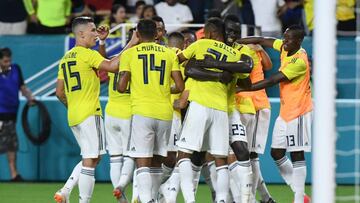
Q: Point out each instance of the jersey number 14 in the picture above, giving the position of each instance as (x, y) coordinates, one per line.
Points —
(149, 64)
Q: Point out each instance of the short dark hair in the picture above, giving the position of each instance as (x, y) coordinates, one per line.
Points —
(298, 31)
(146, 28)
(176, 35)
(215, 25)
(188, 31)
(214, 13)
(231, 17)
(158, 19)
(82, 20)
(139, 3)
(5, 52)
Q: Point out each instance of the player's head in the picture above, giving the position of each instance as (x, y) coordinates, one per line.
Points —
(148, 12)
(160, 28)
(5, 58)
(176, 39)
(293, 37)
(189, 37)
(214, 29)
(146, 30)
(85, 32)
(171, 2)
(232, 29)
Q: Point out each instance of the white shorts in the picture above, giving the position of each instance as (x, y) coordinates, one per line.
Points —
(205, 129)
(90, 136)
(237, 131)
(174, 133)
(117, 135)
(148, 137)
(294, 135)
(257, 139)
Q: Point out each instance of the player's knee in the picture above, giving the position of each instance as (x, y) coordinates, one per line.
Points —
(253, 155)
(241, 150)
(297, 156)
(198, 158)
(183, 153)
(277, 154)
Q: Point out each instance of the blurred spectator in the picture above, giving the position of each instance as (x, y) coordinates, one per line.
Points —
(11, 82)
(49, 17)
(118, 16)
(139, 7)
(211, 14)
(149, 11)
(197, 9)
(160, 31)
(174, 13)
(267, 14)
(293, 15)
(246, 13)
(345, 14)
(12, 17)
(309, 15)
(101, 9)
(132, 3)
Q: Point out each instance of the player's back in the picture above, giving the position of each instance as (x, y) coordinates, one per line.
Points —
(78, 69)
(209, 93)
(150, 65)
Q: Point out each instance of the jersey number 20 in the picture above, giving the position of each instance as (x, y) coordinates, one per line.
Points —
(76, 75)
(149, 61)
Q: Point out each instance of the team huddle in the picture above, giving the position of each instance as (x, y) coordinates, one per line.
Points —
(182, 107)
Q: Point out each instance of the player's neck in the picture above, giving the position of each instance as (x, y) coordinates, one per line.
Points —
(292, 52)
(81, 44)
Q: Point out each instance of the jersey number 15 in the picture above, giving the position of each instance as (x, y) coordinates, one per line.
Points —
(149, 61)
(75, 75)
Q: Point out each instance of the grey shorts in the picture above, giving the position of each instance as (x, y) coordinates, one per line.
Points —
(8, 138)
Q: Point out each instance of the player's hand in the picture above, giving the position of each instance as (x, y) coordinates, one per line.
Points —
(134, 38)
(240, 89)
(103, 31)
(34, 19)
(180, 104)
(247, 59)
(226, 77)
(210, 61)
(32, 102)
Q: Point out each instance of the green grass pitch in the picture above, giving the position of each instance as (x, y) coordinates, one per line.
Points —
(43, 193)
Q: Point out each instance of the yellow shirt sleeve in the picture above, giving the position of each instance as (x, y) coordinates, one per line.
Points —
(295, 68)
(60, 73)
(190, 50)
(95, 59)
(277, 44)
(125, 62)
(175, 66)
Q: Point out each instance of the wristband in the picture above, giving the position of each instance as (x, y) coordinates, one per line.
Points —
(101, 42)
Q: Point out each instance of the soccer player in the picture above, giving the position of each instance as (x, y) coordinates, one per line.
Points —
(150, 103)
(78, 88)
(206, 124)
(292, 130)
(160, 30)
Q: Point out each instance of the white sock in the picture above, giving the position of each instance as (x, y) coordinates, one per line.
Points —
(213, 175)
(135, 193)
(126, 172)
(235, 191)
(186, 180)
(206, 174)
(86, 184)
(156, 175)
(242, 173)
(144, 183)
(222, 183)
(172, 186)
(115, 169)
(299, 176)
(255, 169)
(196, 176)
(264, 192)
(166, 173)
(286, 170)
(73, 180)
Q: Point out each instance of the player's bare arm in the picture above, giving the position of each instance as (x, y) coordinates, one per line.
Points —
(60, 92)
(265, 58)
(123, 81)
(182, 102)
(112, 65)
(179, 82)
(245, 64)
(25, 91)
(263, 41)
(103, 32)
(268, 82)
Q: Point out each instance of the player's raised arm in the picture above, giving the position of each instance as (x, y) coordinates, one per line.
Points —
(268, 82)
(263, 41)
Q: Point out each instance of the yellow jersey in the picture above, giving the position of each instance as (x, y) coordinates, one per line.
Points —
(210, 93)
(79, 70)
(119, 104)
(345, 10)
(244, 103)
(182, 69)
(150, 66)
(295, 94)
